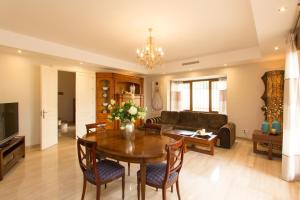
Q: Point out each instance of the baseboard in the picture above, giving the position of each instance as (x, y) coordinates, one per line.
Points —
(32, 147)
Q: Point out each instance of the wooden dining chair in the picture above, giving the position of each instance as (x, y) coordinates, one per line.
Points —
(97, 173)
(99, 127)
(165, 175)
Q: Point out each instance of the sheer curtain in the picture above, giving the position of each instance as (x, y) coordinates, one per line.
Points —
(291, 115)
(180, 96)
(222, 84)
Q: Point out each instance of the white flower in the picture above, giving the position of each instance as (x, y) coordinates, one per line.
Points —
(117, 118)
(141, 115)
(132, 110)
(112, 102)
(109, 107)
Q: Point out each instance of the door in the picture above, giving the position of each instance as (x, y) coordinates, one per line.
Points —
(49, 130)
(85, 101)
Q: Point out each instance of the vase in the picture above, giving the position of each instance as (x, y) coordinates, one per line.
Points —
(127, 130)
(265, 127)
(132, 89)
(276, 125)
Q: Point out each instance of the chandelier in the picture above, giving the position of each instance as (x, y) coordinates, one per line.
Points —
(150, 55)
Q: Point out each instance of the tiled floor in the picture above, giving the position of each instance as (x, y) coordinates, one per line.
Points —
(229, 174)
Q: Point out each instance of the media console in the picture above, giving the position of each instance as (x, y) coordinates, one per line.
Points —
(11, 153)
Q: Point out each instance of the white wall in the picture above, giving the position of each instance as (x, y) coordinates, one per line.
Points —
(245, 88)
(20, 82)
(66, 84)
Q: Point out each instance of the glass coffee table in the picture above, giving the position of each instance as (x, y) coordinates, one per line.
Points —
(205, 144)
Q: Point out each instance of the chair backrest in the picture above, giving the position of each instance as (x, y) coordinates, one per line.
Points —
(100, 126)
(175, 153)
(86, 151)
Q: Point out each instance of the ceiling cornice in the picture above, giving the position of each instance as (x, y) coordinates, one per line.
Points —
(211, 61)
(24, 42)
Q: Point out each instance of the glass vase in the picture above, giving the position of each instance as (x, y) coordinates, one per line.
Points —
(127, 130)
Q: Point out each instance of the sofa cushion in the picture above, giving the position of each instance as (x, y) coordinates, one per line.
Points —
(202, 121)
(216, 121)
(185, 127)
(196, 120)
(169, 117)
(187, 118)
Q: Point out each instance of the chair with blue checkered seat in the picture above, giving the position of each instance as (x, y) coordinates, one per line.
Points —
(99, 127)
(97, 173)
(165, 175)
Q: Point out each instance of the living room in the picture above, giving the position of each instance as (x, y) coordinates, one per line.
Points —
(209, 82)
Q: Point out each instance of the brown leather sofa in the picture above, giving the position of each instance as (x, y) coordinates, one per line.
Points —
(187, 120)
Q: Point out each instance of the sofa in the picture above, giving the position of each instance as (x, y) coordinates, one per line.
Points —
(190, 120)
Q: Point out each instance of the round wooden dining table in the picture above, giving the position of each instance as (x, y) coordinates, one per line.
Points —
(142, 149)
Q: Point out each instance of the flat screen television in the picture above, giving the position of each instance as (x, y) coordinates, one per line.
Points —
(9, 121)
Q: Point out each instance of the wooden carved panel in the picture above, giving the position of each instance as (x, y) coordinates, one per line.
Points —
(273, 95)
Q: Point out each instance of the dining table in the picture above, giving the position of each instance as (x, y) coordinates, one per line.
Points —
(141, 148)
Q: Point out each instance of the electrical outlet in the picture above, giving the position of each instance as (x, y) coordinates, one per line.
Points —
(244, 131)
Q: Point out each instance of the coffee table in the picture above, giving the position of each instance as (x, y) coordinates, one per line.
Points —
(207, 144)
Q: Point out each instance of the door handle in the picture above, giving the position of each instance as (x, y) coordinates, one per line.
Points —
(43, 113)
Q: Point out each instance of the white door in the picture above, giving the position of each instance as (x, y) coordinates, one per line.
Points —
(49, 130)
(85, 101)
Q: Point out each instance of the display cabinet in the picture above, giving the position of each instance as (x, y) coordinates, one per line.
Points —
(116, 86)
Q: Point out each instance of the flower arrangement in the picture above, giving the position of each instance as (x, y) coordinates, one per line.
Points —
(126, 112)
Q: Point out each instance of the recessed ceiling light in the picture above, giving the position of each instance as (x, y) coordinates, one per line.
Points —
(282, 9)
(225, 65)
(276, 48)
(19, 51)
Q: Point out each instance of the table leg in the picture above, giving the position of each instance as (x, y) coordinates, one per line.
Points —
(143, 179)
(270, 151)
(254, 146)
(211, 148)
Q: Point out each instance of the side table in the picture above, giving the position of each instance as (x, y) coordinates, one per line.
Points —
(259, 137)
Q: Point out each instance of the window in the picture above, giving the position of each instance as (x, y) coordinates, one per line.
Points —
(196, 95)
(179, 92)
(200, 96)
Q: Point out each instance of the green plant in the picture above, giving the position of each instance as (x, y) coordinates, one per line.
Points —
(127, 111)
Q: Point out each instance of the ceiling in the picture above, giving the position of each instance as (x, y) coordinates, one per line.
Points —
(107, 33)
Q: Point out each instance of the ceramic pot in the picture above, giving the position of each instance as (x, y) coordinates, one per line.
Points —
(265, 127)
(276, 125)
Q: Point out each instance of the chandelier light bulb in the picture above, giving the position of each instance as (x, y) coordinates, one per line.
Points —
(150, 55)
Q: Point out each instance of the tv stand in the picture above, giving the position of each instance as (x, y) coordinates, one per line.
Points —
(11, 153)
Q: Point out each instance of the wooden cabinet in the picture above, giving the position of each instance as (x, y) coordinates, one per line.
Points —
(11, 153)
(114, 86)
